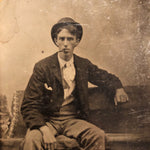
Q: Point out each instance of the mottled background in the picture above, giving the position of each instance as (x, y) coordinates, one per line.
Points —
(116, 37)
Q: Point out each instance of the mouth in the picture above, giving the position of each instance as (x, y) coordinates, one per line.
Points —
(65, 50)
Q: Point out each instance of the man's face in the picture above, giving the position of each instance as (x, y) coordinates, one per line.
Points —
(66, 43)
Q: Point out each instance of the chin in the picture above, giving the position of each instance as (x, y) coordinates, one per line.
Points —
(67, 58)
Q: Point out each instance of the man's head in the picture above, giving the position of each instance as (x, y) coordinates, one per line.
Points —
(66, 34)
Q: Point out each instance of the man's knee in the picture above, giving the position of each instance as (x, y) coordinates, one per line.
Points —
(33, 135)
(32, 141)
(96, 133)
(93, 138)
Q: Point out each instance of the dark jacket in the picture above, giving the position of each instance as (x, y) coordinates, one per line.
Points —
(39, 103)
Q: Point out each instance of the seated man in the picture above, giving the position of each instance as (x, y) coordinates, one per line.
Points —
(56, 98)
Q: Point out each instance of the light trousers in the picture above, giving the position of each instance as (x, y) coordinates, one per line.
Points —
(88, 135)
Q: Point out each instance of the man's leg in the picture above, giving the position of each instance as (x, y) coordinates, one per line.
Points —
(34, 140)
(88, 135)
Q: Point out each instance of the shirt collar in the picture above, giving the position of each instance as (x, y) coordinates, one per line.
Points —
(63, 62)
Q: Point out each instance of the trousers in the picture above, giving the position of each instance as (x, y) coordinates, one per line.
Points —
(88, 135)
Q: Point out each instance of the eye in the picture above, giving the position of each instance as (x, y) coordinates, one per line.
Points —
(61, 38)
(69, 38)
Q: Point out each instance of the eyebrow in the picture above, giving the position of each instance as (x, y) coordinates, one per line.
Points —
(68, 38)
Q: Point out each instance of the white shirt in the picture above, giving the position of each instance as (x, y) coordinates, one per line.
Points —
(68, 74)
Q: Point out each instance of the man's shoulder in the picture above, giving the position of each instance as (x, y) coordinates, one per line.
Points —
(82, 59)
(46, 61)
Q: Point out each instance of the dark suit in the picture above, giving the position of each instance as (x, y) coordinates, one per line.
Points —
(39, 103)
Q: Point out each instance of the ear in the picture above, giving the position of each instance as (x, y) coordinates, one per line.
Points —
(77, 42)
(55, 39)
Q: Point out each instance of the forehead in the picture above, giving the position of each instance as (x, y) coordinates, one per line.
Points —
(65, 33)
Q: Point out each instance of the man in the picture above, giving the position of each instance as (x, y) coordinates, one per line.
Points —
(56, 98)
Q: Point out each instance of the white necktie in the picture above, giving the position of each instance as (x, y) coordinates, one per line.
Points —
(69, 73)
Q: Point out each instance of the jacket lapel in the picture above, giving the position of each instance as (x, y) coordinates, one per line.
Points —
(56, 68)
(79, 71)
(57, 73)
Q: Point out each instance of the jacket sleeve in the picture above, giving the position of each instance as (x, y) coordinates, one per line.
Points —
(101, 77)
(32, 100)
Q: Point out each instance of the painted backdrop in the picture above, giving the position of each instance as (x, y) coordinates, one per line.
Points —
(116, 37)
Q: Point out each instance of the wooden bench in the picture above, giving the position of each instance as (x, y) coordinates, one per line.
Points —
(127, 126)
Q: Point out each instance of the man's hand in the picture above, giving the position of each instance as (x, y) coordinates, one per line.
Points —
(48, 138)
(120, 96)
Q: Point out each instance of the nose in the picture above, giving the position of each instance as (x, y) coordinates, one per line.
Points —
(65, 42)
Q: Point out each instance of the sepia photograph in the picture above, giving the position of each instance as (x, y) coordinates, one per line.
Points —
(75, 74)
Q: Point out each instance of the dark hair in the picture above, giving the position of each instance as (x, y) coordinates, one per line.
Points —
(71, 28)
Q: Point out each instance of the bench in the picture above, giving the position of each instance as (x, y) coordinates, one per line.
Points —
(127, 126)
